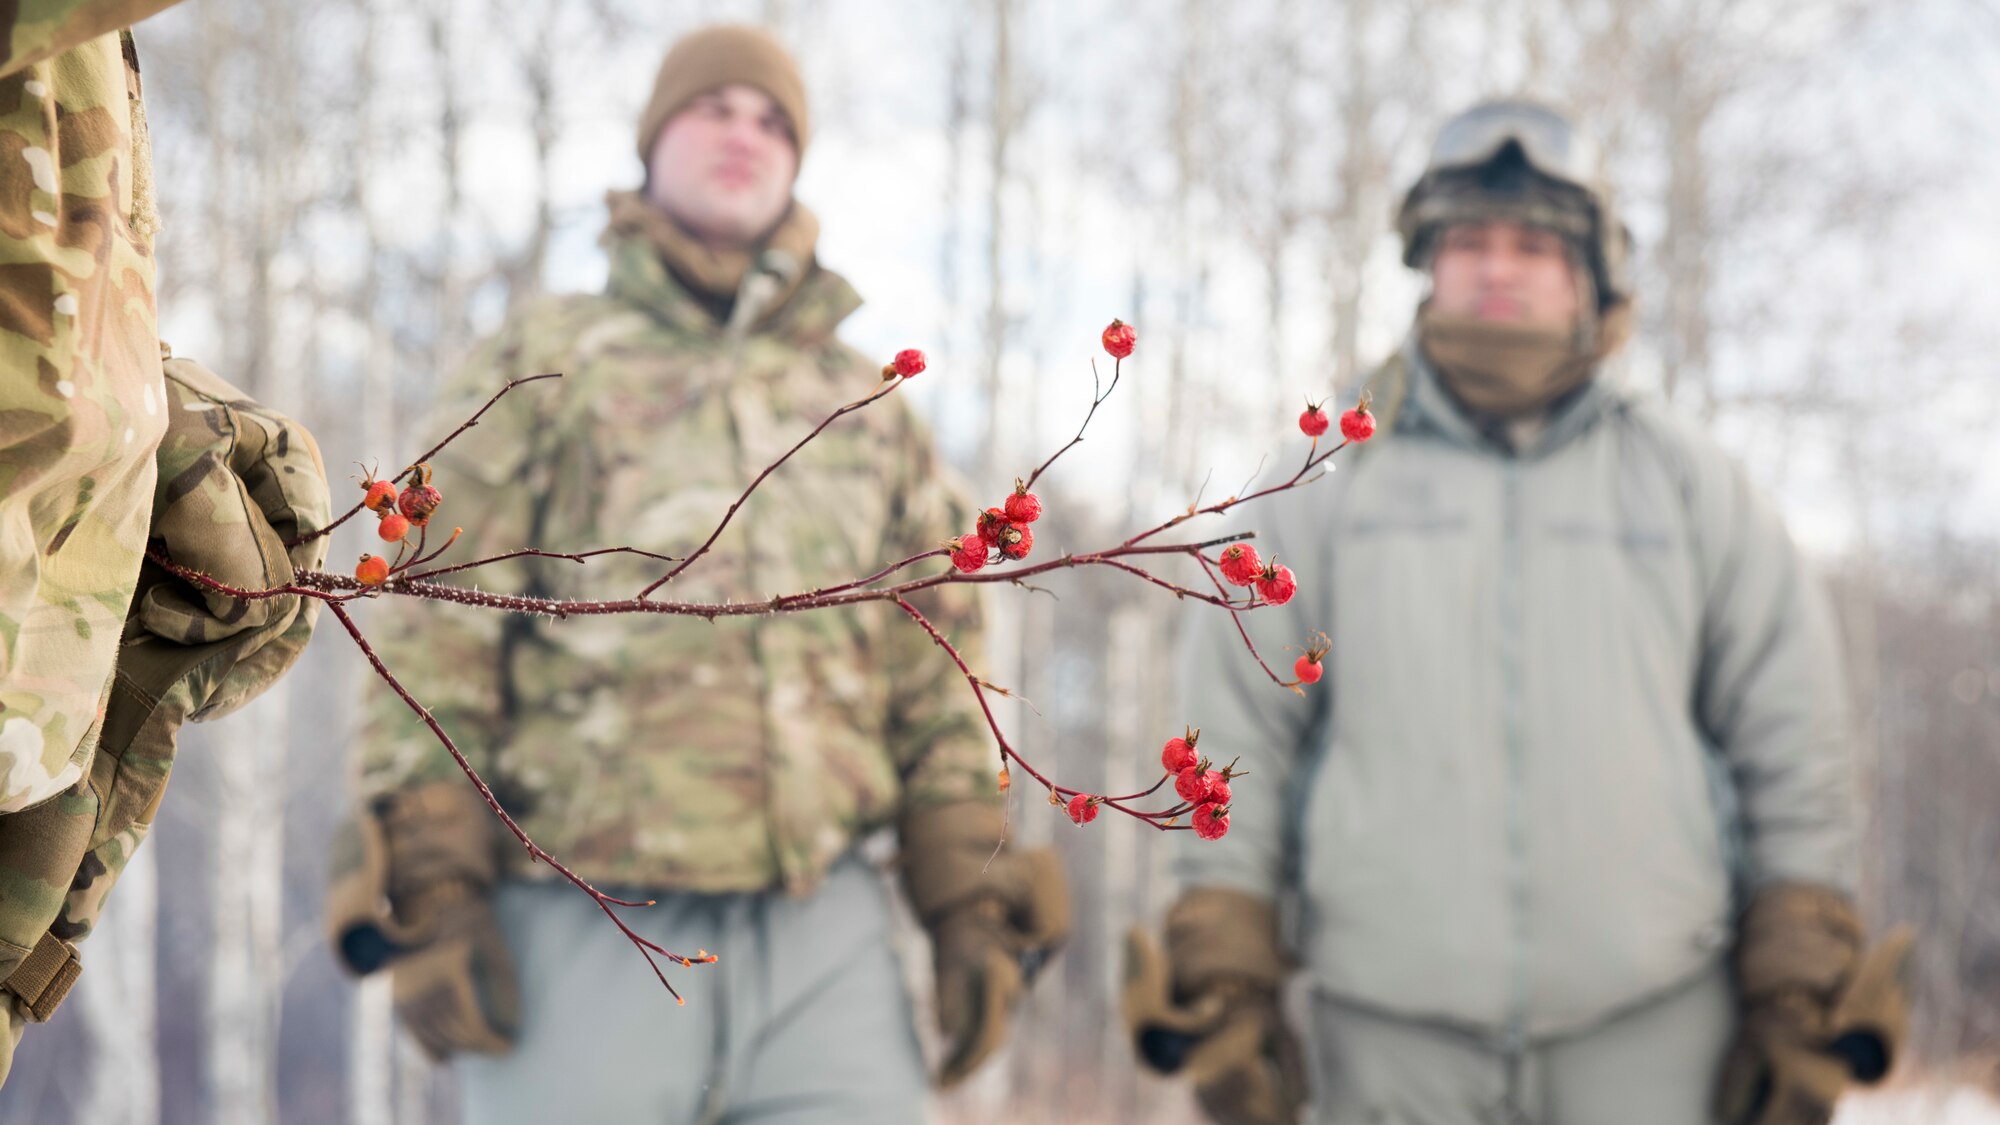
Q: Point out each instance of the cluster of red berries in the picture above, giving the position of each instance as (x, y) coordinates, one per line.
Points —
(1275, 583)
(397, 513)
(1004, 529)
(1195, 781)
(1356, 425)
(1205, 788)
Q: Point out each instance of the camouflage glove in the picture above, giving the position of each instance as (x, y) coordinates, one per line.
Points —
(1209, 1008)
(994, 921)
(236, 481)
(411, 887)
(1819, 1013)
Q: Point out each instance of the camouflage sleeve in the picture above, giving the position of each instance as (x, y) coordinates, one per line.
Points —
(937, 734)
(38, 29)
(454, 659)
(80, 409)
(236, 482)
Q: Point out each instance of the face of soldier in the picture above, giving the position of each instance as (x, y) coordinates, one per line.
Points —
(723, 166)
(1506, 272)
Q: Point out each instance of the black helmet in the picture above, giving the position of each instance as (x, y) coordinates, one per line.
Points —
(1521, 160)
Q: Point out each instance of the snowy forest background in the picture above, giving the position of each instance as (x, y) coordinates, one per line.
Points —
(355, 190)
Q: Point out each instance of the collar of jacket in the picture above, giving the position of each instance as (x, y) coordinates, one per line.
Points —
(1429, 408)
(638, 277)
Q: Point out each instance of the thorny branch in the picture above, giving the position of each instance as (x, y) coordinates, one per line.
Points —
(406, 578)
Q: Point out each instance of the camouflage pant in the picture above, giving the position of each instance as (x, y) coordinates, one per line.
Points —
(804, 1019)
(1653, 1065)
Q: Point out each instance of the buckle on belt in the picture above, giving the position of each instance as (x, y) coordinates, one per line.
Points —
(44, 977)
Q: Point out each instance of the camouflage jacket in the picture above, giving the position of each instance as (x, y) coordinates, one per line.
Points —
(81, 406)
(88, 425)
(674, 752)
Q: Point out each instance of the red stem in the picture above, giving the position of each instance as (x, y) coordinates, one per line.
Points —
(604, 901)
(1007, 752)
(1238, 621)
(1096, 400)
(1215, 509)
(941, 552)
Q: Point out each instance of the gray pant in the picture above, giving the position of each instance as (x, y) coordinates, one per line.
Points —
(1653, 1065)
(804, 1018)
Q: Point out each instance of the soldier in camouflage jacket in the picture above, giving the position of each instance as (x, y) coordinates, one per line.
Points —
(727, 768)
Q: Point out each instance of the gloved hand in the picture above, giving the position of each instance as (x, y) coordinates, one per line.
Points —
(1209, 1007)
(994, 921)
(237, 481)
(411, 885)
(1819, 1014)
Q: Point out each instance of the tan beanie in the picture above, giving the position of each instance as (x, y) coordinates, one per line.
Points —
(716, 56)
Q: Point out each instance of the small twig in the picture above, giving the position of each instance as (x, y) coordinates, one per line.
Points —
(887, 386)
(1233, 501)
(531, 552)
(422, 558)
(604, 901)
(1145, 793)
(941, 552)
(1238, 621)
(199, 579)
(1004, 693)
(1252, 479)
(1096, 400)
(1008, 755)
(428, 454)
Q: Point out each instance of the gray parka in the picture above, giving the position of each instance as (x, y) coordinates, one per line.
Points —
(1577, 697)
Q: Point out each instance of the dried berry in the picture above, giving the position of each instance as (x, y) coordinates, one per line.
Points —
(381, 496)
(1211, 822)
(970, 554)
(1218, 789)
(1017, 542)
(1083, 808)
(372, 570)
(1240, 563)
(1357, 425)
(418, 502)
(1192, 784)
(1023, 506)
(1277, 584)
(1314, 421)
(992, 525)
(1119, 339)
